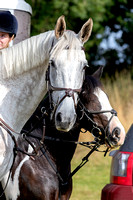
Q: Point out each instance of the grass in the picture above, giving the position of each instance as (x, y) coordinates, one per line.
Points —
(89, 180)
(92, 177)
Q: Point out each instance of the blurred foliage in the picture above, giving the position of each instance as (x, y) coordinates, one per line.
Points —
(119, 18)
(112, 15)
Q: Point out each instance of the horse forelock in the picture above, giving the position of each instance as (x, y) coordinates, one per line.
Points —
(28, 54)
(68, 41)
(72, 39)
(91, 83)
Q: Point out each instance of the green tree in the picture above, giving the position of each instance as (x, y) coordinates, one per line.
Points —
(114, 15)
(119, 19)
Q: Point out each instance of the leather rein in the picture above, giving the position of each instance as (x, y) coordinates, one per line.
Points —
(93, 145)
(84, 111)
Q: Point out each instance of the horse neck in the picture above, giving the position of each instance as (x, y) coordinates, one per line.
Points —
(25, 55)
(22, 92)
(64, 150)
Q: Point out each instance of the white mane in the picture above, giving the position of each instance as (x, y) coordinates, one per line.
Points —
(25, 55)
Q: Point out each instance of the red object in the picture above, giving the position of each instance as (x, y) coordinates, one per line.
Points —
(121, 176)
(128, 179)
(117, 192)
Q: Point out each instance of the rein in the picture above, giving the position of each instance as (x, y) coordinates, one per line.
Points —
(93, 145)
(10, 131)
(83, 162)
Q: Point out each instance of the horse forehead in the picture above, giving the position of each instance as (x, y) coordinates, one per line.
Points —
(103, 99)
(70, 69)
(69, 44)
(70, 38)
(66, 57)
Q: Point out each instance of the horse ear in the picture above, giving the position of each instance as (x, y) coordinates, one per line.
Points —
(98, 73)
(60, 27)
(85, 31)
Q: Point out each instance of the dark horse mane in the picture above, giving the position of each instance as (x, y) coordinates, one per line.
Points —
(90, 84)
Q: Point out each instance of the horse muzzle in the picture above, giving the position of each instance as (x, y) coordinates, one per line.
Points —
(116, 137)
(63, 122)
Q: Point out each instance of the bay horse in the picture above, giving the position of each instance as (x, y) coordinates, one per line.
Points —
(46, 176)
(23, 84)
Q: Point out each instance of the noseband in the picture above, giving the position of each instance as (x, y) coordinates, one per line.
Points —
(87, 113)
(69, 92)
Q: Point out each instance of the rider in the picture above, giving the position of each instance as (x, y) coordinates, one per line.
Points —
(8, 28)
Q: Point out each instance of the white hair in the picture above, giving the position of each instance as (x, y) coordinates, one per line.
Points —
(68, 40)
(30, 53)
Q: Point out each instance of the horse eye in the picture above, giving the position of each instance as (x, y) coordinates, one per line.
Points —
(82, 48)
(67, 47)
(86, 66)
(52, 63)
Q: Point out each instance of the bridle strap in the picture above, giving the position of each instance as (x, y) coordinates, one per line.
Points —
(69, 92)
(112, 111)
(4, 125)
(10, 131)
(52, 88)
(88, 112)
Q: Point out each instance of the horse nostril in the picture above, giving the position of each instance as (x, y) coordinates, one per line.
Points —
(114, 137)
(116, 132)
(58, 117)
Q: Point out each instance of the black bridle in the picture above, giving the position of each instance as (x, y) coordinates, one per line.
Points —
(103, 132)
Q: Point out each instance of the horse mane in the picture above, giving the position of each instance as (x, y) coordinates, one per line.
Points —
(90, 84)
(68, 41)
(25, 55)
